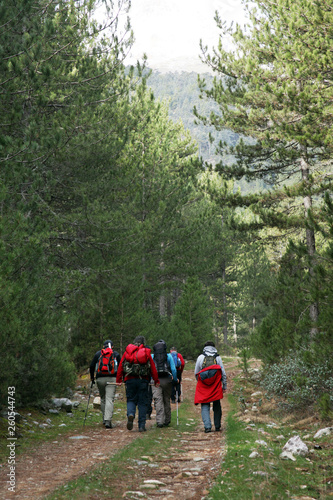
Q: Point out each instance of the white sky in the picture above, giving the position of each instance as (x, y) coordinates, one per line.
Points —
(169, 31)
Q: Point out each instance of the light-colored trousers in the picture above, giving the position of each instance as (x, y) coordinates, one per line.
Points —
(162, 395)
(107, 394)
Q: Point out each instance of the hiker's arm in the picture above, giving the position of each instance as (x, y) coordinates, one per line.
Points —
(172, 367)
(182, 361)
(92, 368)
(119, 378)
(153, 370)
(224, 375)
(198, 365)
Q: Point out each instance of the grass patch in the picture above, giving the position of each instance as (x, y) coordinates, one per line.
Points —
(35, 426)
(267, 476)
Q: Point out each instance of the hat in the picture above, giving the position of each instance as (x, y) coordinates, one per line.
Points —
(107, 342)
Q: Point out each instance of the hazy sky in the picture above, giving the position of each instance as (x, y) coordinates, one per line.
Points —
(169, 31)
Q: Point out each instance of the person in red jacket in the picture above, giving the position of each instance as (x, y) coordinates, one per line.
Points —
(179, 364)
(211, 384)
(136, 368)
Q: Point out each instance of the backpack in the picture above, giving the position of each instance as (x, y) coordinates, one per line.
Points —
(107, 363)
(209, 360)
(136, 362)
(176, 360)
(161, 358)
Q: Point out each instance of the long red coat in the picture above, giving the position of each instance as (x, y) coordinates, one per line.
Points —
(209, 385)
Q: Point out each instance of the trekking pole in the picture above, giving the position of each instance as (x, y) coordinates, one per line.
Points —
(91, 386)
(177, 405)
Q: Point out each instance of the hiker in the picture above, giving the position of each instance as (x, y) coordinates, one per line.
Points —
(167, 373)
(179, 364)
(150, 397)
(211, 384)
(104, 366)
(136, 367)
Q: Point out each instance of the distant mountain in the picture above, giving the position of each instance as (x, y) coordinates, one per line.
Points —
(181, 90)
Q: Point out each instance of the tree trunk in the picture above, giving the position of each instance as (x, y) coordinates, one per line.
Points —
(310, 240)
(254, 318)
(235, 329)
(225, 311)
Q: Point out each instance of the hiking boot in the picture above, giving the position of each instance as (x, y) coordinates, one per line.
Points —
(166, 425)
(130, 419)
(142, 429)
(173, 400)
(160, 425)
(218, 429)
(208, 429)
(108, 424)
(148, 417)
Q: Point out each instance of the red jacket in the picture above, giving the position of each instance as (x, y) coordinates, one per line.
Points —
(120, 372)
(182, 362)
(209, 385)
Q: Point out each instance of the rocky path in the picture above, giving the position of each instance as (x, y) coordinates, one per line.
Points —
(186, 475)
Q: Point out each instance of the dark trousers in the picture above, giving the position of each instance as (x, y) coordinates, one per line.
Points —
(150, 400)
(137, 396)
(176, 387)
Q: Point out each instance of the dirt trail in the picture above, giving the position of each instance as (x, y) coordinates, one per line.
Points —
(52, 464)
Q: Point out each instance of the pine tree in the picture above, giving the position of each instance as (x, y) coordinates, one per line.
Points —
(192, 322)
(275, 88)
(58, 72)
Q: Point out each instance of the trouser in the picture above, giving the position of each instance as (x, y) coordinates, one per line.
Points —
(176, 387)
(137, 396)
(107, 393)
(161, 397)
(205, 414)
(150, 400)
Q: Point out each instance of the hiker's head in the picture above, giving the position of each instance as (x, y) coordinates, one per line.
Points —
(106, 343)
(173, 349)
(209, 343)
(139, 340)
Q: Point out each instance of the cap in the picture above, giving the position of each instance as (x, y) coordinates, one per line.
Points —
(107, 342)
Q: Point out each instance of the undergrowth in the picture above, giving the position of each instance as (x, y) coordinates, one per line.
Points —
(267, 476)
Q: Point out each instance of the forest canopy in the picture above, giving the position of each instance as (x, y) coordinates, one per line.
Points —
(121, 216)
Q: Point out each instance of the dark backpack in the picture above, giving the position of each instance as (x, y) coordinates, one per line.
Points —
(161, 358)
(176, 360)
(209, 360)
(107, 363)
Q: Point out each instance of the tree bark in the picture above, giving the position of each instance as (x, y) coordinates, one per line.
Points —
(310, 240)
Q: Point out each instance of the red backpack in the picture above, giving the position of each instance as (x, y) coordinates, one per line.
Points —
(136, 362)
(137, 354)
(107, 364)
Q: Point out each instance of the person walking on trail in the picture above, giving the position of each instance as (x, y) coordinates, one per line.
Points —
(150, 398)
(179, 364)
(104, 367)
(136, 368)
(211, 384)
(167, 373)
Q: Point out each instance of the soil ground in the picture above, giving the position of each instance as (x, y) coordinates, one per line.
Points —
(52, 464)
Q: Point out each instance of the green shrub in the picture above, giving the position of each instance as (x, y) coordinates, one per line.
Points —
(299, 382)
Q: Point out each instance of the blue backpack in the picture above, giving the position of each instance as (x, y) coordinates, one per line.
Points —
(176, 360)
